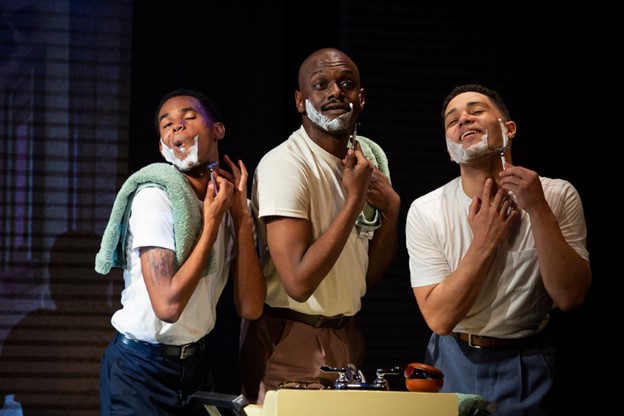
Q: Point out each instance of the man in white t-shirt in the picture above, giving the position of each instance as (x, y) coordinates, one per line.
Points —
(490, 254)
(179, 230)
(320, 253)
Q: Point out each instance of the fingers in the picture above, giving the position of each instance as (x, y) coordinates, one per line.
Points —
(230, 163)
(210, 192)
(486, 196)
(475, 206)
(232, 167)
(239, 173)
(243, 171)
(499, 198)
(359, 155)
(499, 202)
(349, 160)
(225, 190)
(354, 155)
(223, 183)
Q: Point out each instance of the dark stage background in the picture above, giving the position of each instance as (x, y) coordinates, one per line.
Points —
(123, 56)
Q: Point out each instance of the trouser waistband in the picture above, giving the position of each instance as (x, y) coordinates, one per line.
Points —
(180, 351)
(317, 321)
(479, 341)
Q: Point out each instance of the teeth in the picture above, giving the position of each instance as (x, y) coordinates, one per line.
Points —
(466, 133)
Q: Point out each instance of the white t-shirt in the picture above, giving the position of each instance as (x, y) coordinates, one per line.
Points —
(299, 179)
(151, 224)
(513, 301)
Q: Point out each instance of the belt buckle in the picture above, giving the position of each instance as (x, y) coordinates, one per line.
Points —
(185, 351)
(470, 344)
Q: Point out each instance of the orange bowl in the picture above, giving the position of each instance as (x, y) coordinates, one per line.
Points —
(423, 378)
(431, 385)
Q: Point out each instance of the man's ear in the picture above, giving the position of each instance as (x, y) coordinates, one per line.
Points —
(362, 97)
(511, 129)
(219, 129)
(299, 102)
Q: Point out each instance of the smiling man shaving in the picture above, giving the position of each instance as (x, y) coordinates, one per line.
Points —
(491, 253)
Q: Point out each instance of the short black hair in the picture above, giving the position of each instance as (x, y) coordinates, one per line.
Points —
(493, 95)
(208, 104)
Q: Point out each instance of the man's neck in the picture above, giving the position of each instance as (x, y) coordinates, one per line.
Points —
(475, 173)
(334, 143)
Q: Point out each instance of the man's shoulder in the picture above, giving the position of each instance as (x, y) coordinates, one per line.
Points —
(285, 150)
(554, 182)
(556, 188)
(441, 192)
(436, 200)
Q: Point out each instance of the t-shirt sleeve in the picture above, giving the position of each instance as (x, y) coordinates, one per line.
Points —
(151, 219)
(427, 262)
(570, 214)
(281, 188)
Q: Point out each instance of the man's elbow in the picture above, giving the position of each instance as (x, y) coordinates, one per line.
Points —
(572, 303)
(299, 295)
(439, 326)
(169, 313)
(251, 313)
(574, 297)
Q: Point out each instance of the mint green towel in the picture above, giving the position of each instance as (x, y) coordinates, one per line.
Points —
(370, 219)
(187, 217)
(474, 404)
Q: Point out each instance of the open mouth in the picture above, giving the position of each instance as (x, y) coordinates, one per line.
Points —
(467, 135)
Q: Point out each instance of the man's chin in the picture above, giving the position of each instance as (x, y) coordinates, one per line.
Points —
(336, 128)
(188, 167)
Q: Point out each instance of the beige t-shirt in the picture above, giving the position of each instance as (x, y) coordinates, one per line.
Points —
(299, 179)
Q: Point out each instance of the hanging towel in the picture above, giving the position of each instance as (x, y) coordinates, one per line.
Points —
(370, 219)
(187, 217)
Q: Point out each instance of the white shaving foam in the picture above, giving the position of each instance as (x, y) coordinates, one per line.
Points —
(461, 155)
(338, 124)
(189, 162)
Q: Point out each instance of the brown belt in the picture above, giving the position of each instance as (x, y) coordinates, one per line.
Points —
(478, 341)
(317, 321)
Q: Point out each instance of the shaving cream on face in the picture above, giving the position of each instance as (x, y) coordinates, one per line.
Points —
(461, 155)
(189, 162)
(338, 124)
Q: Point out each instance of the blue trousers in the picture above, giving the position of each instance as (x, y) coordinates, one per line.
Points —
(519, 381)
(143, 383)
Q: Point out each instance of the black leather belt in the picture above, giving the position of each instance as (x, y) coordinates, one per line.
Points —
(478, 341)
(180, 351)
(317, 321)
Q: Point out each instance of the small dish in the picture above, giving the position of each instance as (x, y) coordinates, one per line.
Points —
(423, 378)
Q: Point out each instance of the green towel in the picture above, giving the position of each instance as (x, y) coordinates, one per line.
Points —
(370, 219)
(474, 404)
(187, 217)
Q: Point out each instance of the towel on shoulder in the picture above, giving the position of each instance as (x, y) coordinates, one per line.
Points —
(187, 217)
